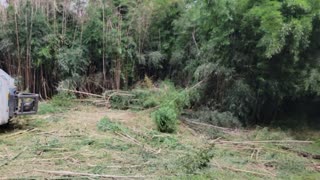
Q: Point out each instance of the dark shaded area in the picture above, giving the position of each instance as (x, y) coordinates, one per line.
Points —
(299, 114)
(11, 126)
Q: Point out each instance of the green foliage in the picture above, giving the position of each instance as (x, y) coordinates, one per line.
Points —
(155, 59)
(105, 124)
(150, 102)
(135, 99)
(50, 145)
(166, 141)
(62, 100)
(312, 82)
(121, 102)
(72, 61)
(193, 162)
(171, 101)
(266, 134)
(167, 99)
(223, 119)
(58, 103)
(255, 55)
(46, 108)
(166, 118)
(240, 100)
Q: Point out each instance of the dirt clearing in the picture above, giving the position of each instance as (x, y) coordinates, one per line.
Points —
(91, 142)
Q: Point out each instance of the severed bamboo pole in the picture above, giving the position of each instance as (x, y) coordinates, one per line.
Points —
(76, 174)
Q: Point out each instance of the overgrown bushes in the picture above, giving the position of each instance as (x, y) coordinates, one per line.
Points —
(166, 118)
(167, 100)
(172, 101)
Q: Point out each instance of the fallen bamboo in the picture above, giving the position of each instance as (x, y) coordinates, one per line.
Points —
(133, 140)
(128, 166)
(76, 174)
(21, 132)
(301, 153)
(244, 171)
(174, 99)
(14, 158)
(271, 141)
(80, 92)
(207, 125)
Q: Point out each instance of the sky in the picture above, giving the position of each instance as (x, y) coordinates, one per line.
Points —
(3, 2)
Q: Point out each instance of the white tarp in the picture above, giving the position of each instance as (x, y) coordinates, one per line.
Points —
(6, 82)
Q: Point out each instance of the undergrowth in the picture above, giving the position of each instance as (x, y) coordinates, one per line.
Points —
(168, 103)
(131, 147)
(166, 118)
(213, 117)
(267, 134)
(105, 124)
(167, 100)
(199, 160)
(58, 103)
(172, 102)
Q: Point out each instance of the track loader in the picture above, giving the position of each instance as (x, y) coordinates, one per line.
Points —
(13, 102)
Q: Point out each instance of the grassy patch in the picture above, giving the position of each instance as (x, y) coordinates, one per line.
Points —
(84, 140)
(47, 146)
(197, 161)
(267, 134)
(47, 108)
(59, 103)
(105, 124)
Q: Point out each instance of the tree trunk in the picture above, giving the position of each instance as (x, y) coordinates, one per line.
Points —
(103, 46)
(117, 75)
(17, 41)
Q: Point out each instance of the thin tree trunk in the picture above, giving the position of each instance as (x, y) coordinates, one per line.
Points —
(26, 70)
(118, 60)
(81, 33)
(103, 44)
(63, 18)
(118, 73)
(29, 58)
(17, 41)
(54, 17)
(48, 10)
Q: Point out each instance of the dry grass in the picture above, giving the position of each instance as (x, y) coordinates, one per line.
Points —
(70, 141)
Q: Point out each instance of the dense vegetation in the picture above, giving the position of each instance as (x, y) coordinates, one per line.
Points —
(254, 57)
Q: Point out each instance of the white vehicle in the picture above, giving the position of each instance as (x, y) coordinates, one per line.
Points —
(13, 103)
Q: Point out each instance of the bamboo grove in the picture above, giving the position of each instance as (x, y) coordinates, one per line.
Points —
(255, 56)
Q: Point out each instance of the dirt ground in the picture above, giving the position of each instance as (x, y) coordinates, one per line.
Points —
(69, 144)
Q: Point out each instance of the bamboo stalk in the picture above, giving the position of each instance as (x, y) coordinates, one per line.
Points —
(245, 171)
(76, 174)
(262, 142)
(80, 92)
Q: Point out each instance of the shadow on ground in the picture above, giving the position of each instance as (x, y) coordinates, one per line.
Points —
(13, 125)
